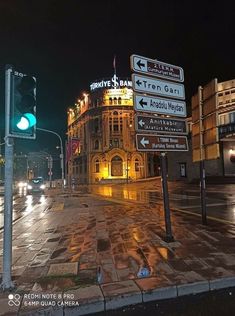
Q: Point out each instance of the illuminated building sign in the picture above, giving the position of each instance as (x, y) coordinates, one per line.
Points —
(114, 82)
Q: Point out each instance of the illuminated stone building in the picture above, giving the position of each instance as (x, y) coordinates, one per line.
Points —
(103, 121)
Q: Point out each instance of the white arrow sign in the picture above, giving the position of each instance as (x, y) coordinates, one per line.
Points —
(141, 123)
(144, 142)
(159, 105)
(158, 87)
(156, 68)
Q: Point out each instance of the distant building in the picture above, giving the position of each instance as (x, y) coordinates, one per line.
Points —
(103, 123)
(181, 166)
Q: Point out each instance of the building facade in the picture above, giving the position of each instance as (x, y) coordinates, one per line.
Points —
(103, 123)
(224, 166)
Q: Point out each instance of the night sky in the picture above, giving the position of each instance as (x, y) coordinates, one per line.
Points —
(68, 44)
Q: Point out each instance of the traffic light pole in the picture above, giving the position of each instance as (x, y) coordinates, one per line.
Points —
(7, 235)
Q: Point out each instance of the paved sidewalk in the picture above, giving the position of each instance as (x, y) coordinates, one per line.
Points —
(88, 254)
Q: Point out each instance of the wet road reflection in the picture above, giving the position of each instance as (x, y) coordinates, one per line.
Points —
(220, 200)
(22, 205)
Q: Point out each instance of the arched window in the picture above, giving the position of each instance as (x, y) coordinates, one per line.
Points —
(114, 100)
(97, 166)
(137, 165)
(119, 100)
(110, 101)
(115, 122)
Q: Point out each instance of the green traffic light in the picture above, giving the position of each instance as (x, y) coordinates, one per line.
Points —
(26, 121)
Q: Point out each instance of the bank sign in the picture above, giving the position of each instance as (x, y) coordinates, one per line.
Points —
(112, 83)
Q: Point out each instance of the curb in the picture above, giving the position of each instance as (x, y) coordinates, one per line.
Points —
(111, 296)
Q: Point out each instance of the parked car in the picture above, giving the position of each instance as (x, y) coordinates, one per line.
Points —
(36, 185)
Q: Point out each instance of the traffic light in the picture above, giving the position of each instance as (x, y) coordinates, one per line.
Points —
(23, 106)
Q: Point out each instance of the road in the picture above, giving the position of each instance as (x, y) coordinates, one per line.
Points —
(220, 199)
(216, 303)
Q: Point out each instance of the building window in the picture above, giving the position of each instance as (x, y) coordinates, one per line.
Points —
(114, 100)
(95, 123)
(110, 101)
(119, 100)
(183, 169)
(115, 126)
(96, 144)
(137, 165)
(116, 143)
(97, 166)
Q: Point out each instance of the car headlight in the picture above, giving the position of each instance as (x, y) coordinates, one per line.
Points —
(29, 187)
(42, 186)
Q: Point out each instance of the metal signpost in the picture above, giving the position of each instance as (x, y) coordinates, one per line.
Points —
(147, 123)
(158, 87)
(158, 105)
(156, 68)
(149, 142)
(167, 100)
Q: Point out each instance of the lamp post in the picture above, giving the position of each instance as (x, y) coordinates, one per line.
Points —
(61, 151)
(127, 167)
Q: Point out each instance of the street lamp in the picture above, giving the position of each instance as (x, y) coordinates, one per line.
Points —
(61, 151)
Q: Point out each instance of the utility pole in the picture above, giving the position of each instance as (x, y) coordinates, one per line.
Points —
(61, 151)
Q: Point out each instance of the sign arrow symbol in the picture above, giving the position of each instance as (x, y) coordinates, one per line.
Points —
(142, 103)
(141, 123)
(140, 64)
(139, 82)
(144, 142)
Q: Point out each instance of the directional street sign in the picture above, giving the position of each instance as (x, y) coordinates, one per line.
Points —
(159, 105)
(156, 68)
(160, 124)
(158, 87)
(148, 142)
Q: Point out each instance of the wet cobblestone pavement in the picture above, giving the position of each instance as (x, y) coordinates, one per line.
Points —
(86, 240)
